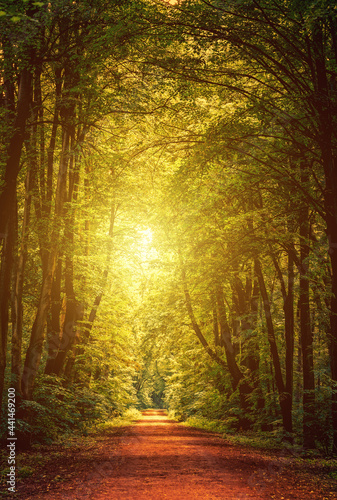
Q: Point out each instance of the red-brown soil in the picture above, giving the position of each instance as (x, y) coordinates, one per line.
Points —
(159, 459)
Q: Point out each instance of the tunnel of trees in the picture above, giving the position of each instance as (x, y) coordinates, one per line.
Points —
(168, 201)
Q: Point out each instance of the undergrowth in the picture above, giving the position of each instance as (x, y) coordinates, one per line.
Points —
(58, 412)
(271, 440)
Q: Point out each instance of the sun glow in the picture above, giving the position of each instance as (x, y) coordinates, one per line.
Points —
(146, 251)
(146, 236)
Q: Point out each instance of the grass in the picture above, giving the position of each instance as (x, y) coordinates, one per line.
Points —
(260, 440)
(128, 418)
(271, 440)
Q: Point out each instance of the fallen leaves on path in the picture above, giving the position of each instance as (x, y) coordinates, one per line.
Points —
(158, 458)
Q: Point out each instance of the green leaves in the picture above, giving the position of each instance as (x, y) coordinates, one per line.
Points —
(194, 123)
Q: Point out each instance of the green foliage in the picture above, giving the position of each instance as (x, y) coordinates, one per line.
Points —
(264, 440)
(200, 389)
(221, 426)
(195, 141)
(132, 414)
(56, 411)
(128, 417)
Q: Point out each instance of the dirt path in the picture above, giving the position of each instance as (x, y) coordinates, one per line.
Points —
(160, 459)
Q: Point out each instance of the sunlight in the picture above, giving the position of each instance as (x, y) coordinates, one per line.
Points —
(145, 250)
(146, 236)
(168, 230)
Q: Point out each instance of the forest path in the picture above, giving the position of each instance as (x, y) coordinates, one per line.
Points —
(160, 459)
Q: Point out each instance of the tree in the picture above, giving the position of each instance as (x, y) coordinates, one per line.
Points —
(290, 53)
(208, 128)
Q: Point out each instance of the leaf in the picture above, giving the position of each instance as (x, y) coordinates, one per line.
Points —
(15, 19)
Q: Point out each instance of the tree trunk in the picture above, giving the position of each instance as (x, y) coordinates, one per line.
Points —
(237, 376)
(17, 306)
(225, 333)
(306, 331)
(217, 342)
(288, 308)
(8, 193)
(5, 286)
(33, 355)
(74, 310)
(289, 323)
(284, 397)
(327, 142)
(53, 321)
(245, 301)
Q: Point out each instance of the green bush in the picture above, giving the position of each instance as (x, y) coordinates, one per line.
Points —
(57, 410)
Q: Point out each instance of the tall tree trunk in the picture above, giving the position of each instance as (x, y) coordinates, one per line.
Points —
(17, 305)
(7, 260)
(216, 332)
(33, 355)
(284, 397)
(288, 308)
(20, 109)
(225, 332)
(43, 194)
(289, 325)
(306, 331)
(7, 196)
(53, 320)
(237, 376)
(327, 141)
(73, 310)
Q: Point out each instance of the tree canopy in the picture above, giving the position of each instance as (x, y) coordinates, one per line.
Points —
(168, 202)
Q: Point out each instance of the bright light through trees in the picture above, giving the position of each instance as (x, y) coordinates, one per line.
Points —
(168, 211)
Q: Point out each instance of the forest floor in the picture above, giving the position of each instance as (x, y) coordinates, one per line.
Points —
(160, 459)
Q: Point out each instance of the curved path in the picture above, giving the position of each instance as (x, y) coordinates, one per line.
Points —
(160, 459)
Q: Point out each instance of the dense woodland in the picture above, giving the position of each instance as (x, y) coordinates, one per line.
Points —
(169, 213)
